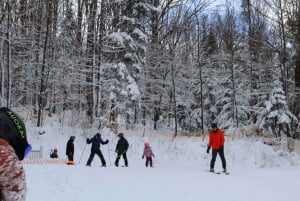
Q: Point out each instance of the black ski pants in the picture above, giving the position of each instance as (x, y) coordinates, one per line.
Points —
(99, 153)
(70, 156)
(124, 157)
(214, 156)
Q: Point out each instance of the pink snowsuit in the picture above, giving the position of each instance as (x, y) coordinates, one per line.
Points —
(148, 153)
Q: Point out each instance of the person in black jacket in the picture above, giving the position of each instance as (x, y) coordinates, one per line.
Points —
(96, 141)
(121, 149)
(70, 148)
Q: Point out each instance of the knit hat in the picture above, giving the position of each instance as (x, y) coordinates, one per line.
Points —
(147, 144)
(214, 125)
(13, 130)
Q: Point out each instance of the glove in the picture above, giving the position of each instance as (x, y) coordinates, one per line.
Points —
(142, 157)
(106, 141)
(87, 140)
(207, 151)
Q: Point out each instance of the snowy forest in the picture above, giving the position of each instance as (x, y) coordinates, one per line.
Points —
(182, 64)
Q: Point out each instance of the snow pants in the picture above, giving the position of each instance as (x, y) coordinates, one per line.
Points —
(124, 157)
(214, 156)
(70, 156)
(148, 160)
(99, 153)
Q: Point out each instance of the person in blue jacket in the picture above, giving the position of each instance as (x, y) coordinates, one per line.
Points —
(96, 141)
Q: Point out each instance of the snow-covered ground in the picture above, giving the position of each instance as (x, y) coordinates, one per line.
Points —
(257, 171)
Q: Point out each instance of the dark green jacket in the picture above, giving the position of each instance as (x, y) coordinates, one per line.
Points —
(122, 145)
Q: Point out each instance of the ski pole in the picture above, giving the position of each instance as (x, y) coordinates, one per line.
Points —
(82, 153)
(108, 154)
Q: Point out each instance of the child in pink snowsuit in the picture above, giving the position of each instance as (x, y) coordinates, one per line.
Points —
(148, 153)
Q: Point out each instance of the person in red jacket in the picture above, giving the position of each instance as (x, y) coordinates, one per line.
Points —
(13, 149)
(216, 142)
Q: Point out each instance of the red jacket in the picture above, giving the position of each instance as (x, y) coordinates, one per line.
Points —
(216, 139)
(12, 175)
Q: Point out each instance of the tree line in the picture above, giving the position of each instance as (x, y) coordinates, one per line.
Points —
(177, 63)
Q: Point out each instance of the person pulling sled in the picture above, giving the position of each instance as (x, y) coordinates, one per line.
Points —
(70, 149)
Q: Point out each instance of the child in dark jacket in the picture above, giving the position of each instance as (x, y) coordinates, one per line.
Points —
(70, 148)
(121, 149)
(148, 153)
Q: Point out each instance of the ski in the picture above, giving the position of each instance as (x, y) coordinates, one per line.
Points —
(221, 172)
(226, 173)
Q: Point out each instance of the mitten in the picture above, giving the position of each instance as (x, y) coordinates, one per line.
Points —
(207, 151)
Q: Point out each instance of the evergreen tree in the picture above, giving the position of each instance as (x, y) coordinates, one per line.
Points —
(276, 115)
(124, 54)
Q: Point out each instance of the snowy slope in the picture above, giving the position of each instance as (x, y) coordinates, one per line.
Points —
(257, 171)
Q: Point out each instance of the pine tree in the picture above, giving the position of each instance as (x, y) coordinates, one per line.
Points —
(124, 51)
(276, 115)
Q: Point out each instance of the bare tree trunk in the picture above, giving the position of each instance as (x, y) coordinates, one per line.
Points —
(200, 75)
(283, 53)
(101, 31)
(8, 93)
(297, 45)
(90, 52)
(174, 99)
(44, 69)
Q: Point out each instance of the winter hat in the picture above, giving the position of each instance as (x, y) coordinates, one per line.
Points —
(55, 151)
(147, 144)
(120, 135)
(214, 125)
(13, 130)
(97, 135)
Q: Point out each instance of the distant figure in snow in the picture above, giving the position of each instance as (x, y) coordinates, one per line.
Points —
(70, 148)
(54, 154)
(216, 142)
(95, 149)
(13, 148)
(121, 149)
(148, 153)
